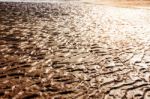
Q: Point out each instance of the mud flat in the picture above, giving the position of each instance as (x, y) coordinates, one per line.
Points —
(74, 51)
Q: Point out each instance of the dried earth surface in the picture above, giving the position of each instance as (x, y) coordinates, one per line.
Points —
(74, 51)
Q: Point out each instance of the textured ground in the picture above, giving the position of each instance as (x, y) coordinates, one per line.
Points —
(74, 51)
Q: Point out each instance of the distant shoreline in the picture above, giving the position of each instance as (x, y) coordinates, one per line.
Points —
(39, 0)
(126, 4)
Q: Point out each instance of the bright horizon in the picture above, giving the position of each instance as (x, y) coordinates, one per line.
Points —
(122, 3)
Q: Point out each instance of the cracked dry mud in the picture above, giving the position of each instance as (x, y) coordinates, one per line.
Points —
(73, 51)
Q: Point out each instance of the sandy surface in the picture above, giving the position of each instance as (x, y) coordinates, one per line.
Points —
(74, 51)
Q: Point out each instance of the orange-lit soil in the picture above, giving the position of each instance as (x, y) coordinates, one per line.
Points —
(122, 3)
(74, 50)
